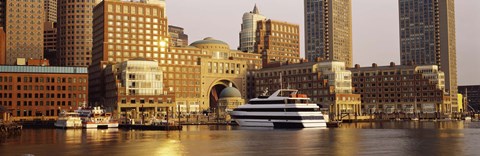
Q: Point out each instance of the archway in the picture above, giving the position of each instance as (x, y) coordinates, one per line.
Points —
(215, 91)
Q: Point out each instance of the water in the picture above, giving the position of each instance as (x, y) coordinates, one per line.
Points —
(385, 138)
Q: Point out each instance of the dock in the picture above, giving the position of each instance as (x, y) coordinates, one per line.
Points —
(9, 129)
(152, 127)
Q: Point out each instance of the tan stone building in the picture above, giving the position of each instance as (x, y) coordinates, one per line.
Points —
(401, 89)
(74, 42)
(328, 30)
(135, 88)
(277, 41)
(427, 37)
(194, 74)
(23, 24)
(328, 84)
(122, 31)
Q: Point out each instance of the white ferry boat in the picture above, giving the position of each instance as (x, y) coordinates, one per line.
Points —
(96, 118)
(283, 109)
(68, 120)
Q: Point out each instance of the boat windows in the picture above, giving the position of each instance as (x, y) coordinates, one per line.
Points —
(268, 102)
(277, 109)
(280, 117)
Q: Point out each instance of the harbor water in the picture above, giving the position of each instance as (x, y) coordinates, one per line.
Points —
(377, 138)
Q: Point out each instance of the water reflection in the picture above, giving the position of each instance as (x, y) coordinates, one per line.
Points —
(378, 138)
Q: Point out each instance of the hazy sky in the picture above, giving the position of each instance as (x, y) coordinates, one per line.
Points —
(375, 27)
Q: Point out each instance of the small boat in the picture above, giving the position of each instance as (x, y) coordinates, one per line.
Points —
(96, 118)
(68, 120)
(283, 109)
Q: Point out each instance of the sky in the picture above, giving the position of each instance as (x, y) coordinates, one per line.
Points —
(375, 27)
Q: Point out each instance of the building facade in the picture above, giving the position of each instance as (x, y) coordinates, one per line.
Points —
(41, 92)
(277, 41)
(135, 87)
(177, 36)
(123, 31)
(74, 36)
(23, 24)
(249, 29)
(50, 7)
(427, 37)
(401, 89)
(328, 30)
(471, 94)
(194, 74)
(50, 42)
(328, 84)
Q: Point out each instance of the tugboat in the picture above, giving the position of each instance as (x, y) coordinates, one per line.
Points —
(96, 118)
(283, 109)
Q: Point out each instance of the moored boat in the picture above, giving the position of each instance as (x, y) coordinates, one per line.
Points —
(283, 109)
(68, 120)
(96, 118)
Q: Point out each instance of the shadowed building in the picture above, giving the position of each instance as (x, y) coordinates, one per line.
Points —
(23, 29)
(177, 36)
(328, 30)
(2, 46)
(74, 36)
(50, 42)
(427, 37)
(471, 93)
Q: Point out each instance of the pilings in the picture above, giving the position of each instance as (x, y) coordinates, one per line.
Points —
(10, 129)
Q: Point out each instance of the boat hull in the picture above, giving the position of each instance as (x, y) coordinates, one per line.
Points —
(281, 123)
(100, 125)
(68, 124)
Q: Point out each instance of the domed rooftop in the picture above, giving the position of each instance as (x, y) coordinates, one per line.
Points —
(209, 41)
(230, 92)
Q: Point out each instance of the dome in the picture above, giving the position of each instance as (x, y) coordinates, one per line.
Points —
(209, 41)
(230, 92)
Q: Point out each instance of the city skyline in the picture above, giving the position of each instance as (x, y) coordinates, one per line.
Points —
(383, 44)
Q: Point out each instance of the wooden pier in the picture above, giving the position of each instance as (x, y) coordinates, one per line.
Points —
(152, 127)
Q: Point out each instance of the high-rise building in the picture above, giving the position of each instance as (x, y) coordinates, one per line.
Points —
(2, 46)
(50, 10)
(328, 30)
(50, 42)
(427, 37)
(249, 28)
(278, 41)
(123, 31)
(24, 29)
(74, 36)
(177, 36)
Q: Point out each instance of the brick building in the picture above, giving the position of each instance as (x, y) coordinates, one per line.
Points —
(403, 89)
(326, 83)
(277, 41)
(41, 92)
